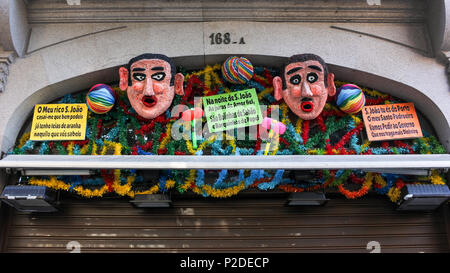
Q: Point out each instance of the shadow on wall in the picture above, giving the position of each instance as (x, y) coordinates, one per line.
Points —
(86, 81)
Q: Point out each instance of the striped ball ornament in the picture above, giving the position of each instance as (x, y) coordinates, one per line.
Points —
(100, 98)
(237, 70)
(350, 98)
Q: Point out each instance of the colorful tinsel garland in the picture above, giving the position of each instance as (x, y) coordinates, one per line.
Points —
(122, 132)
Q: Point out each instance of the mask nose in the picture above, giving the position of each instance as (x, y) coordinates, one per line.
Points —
(306, 91)
(148, 91)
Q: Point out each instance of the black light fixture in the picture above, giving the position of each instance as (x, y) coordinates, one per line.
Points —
(29, 198)
(307, 199)
(423, 197)
(151, 201)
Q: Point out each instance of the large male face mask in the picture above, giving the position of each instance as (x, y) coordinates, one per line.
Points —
(152, 89)
(307, 85)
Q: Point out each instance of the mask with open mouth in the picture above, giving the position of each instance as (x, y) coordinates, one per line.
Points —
(307, 105)
(149, 101)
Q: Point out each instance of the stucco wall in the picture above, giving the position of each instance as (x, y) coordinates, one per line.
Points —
(64, 58)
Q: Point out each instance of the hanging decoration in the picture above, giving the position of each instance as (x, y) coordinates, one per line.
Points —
(126, 130)
(100, 99)
(350, 98)
(305, 85)
(237, 70)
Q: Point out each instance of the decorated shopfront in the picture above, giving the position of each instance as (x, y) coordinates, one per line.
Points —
(238, 126)
(118, 125)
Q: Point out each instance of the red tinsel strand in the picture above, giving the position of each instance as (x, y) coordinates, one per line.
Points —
(347, 136)
(262, 180)
(401, 144)
(326, 114)
(328, 147)
(163, 135)
(260, 81)
(146, 128)
(284, 141)
(147, 146)
(269, 110)
(268, 76)
(321, 124)
(355, 179)
(162, 151)
(305, 132)
(213, 92)
(188, 89)
(109, 179)
(399, 183)
(81, 142)
(377, 101)
(99, 128)
(257, 146)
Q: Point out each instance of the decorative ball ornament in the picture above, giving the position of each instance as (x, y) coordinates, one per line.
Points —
(100, 98)
(350, 98)
(237, 70)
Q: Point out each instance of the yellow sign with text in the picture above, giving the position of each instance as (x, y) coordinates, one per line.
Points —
(59, 122)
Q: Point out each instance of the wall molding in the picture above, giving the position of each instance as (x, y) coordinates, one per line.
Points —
(6, 59)
(89, 11)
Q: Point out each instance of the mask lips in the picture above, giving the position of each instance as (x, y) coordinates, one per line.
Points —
(307, 105)
(149, 101)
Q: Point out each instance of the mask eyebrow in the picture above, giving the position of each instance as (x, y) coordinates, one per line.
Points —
(293, 70)
(138, 69)
(158, 68)
(315, 67)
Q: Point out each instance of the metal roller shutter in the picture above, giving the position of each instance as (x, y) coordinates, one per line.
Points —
(250, 223)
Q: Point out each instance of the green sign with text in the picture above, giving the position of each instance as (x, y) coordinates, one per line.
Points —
(232, 110)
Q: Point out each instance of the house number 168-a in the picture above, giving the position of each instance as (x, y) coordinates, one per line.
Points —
(225, 38)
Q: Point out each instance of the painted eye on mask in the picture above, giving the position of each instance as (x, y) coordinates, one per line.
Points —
(295, 79)
(139, 76)
(312, 77)
(159, 76)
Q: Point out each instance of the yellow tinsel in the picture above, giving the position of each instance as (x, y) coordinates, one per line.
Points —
(436, 178)
(284, 113)
(52, 183)
(84, 149)
(394, 194)
(166, 139)
(298, 126)
(70, 148)
(24, 139)
(152, 190)
(220, 193)
(380, 181)
(202, 146)
(91, 193)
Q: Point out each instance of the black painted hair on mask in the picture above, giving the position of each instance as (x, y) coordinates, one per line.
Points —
(303, 58)
(150, 56)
